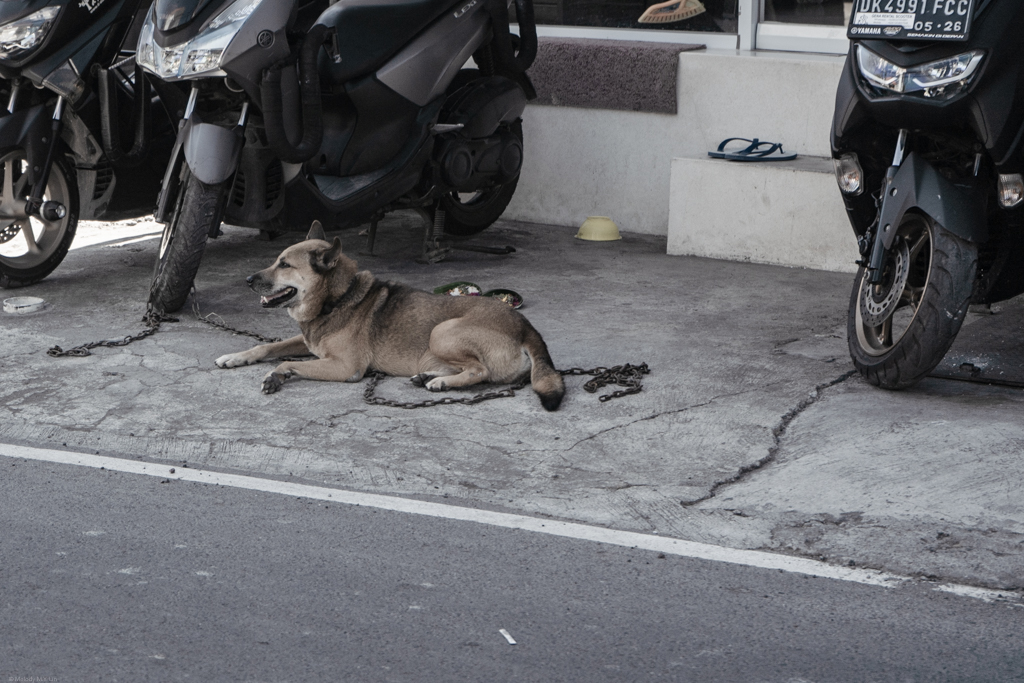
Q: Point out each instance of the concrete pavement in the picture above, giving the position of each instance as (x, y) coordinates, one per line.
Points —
(750, 432)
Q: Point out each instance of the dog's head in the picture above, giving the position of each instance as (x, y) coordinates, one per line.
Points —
(303, 277)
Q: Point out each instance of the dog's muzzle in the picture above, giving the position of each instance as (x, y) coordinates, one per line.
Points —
(269, 298)
(278, 298)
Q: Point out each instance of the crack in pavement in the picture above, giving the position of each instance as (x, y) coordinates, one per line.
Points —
(655, 416)
(777, 433)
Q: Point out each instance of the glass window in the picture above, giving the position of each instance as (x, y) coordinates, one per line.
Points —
(821, 12)
(713, 16)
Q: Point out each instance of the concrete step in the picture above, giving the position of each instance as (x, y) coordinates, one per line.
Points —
(581, 161)
(786, 213)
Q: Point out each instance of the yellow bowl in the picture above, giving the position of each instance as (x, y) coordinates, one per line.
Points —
(599, 229)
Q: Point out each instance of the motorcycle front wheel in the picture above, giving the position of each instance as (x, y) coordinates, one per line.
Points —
(899, 330)
(196, 215)
(30, 246)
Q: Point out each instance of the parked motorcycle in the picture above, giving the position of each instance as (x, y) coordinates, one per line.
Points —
(926, 143)
(339, 112)
(70, 93)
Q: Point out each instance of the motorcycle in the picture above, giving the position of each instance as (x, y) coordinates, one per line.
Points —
(70, 94)
(926, 143)
(338, 112)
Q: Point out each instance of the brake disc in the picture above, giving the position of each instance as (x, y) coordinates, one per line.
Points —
(879, 302)
(10, 232)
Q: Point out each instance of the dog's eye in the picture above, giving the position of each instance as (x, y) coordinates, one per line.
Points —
(282, 264)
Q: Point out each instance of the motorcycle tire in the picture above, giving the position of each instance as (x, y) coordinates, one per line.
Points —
(196, 214)
(930, 276)
(470, 213)
(25, 261)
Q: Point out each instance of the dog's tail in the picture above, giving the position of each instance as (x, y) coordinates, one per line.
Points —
(546, 380)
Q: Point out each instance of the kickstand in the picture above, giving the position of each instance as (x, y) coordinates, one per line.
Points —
(507, 249)
(435, 251)
(371, 237)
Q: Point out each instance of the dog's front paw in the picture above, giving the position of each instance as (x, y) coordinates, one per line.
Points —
(232, 360)
(274, 380)
(437, 384)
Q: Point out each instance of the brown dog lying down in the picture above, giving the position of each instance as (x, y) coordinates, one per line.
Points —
(355, 323)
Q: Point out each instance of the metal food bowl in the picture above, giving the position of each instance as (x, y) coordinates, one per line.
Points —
(23, 304)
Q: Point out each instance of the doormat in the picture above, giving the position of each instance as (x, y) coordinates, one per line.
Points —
(989, 349)
(608, 74)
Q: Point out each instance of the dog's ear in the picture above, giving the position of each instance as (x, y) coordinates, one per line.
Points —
(325, 260)
(316, 232)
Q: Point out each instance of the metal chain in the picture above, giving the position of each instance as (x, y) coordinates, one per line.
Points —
(376, 377)
(629, 376)
(152, 320)
(219, 323)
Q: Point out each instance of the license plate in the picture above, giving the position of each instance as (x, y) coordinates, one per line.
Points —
(911, 19)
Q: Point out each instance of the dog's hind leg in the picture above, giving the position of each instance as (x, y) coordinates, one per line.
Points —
(477, 353)
(324, 369)
(429, 367)
(474, 374)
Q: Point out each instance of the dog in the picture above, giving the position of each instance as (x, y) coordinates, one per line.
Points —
(354, 323)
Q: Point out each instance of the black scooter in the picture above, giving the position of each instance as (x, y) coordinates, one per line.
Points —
(927, 144)
(338, 112)
(70, 91)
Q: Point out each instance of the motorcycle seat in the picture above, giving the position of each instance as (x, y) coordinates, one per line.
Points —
(371, 31)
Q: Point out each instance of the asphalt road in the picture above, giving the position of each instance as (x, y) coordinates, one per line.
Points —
(106, 576)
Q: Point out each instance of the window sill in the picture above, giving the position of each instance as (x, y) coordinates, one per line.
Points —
(728, 41)
(802, 38)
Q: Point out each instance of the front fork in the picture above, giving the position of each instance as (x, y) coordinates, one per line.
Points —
(35, 206)
(210, 151)
(876, 260)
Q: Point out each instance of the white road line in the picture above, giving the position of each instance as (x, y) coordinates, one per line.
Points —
(629, 539)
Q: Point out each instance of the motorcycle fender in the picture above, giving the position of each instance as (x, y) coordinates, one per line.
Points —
(211, 151)
(918, 185)
(29, 130)
(483, 105)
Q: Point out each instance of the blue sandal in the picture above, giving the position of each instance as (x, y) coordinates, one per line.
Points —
(755, 151)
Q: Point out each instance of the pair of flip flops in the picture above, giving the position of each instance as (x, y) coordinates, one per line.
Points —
(513, 299)
(756, 150)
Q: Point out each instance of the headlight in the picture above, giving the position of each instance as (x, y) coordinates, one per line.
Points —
(19, 38)
(200, 56)
(939, 80)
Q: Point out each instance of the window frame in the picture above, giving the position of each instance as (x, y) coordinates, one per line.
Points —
(753, 33)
